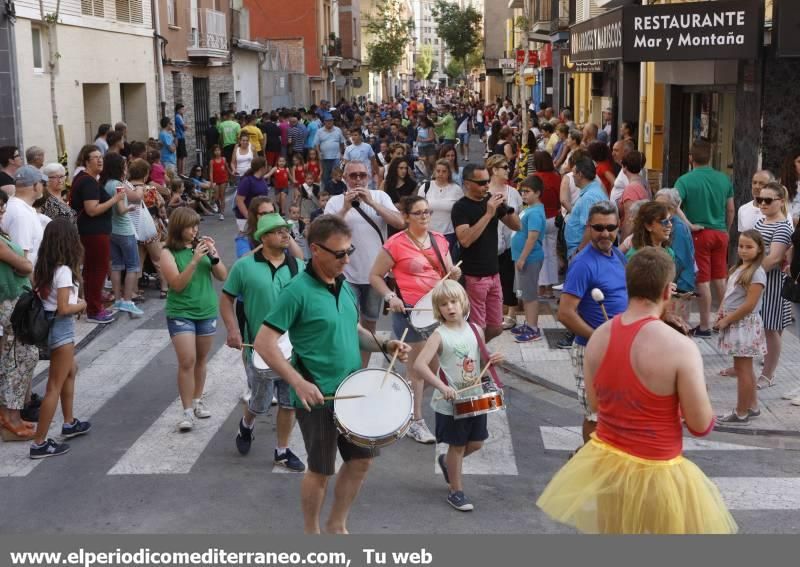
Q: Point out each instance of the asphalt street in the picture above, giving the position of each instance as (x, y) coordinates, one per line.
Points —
(135, 474)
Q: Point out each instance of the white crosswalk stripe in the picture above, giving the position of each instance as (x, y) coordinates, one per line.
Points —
(571, 438)
(95, 385)
(164, 450)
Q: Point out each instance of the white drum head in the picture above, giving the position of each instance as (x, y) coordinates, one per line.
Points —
(382, 412)
(283, 344)
(423, 319)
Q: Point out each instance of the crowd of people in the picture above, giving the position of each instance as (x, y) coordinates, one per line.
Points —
(345, 212)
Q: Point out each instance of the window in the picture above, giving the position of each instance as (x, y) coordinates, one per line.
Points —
(92, 8)
(36, 38)
(172, 19)
(129, 11)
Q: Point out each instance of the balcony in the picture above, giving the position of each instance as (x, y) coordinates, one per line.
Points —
(209, 36)
(550, 18)
(332, 52)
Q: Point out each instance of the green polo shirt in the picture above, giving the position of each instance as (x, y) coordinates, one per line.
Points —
(198, 300)
(258, 282)
(447, 127)
(705, 193)
(322, 321)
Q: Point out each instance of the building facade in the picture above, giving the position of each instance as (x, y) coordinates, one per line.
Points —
(104, 72)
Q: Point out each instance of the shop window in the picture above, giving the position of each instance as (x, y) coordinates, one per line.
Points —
(36, 39)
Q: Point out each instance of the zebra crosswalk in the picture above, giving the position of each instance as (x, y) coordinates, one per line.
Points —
(160, 450)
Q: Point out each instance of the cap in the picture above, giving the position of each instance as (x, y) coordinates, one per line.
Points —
(27, 176)
(268, 223)
(327, 116)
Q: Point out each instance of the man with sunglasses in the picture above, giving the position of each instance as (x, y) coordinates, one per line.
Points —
(259, 278)
(10, 162)
(598, 265)
(367, 212)
(475, 218)
(320, 312)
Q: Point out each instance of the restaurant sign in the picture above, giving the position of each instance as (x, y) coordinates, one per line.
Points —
(726, 29)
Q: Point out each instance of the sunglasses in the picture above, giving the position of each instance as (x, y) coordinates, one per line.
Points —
(665, 222)
(340, 254)
(481, 182)
(604, 227)
(767, 200)
(356, 176)
(424, 213)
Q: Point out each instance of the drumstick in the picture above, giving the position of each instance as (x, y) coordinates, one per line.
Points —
(254, 250)
(478, 381)
(419, 309)
(447, 275)
(350, 397)
(394, 357)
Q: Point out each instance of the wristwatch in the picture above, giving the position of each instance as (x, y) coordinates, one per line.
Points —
(389, 296)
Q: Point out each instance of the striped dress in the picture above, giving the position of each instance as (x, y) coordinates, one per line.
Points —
(776, 312)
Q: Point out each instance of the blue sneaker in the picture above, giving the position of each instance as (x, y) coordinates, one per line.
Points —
(531, 335)
(75, 429)
(520, 329)
(130, 307)
(290, 461)
(460, 502)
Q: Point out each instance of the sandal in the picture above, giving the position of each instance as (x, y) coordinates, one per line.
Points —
(731, 371)
(764, 382)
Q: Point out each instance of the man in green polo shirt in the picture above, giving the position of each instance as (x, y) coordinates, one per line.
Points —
(229, 131)
(318, 310)
(258, 279)
(707, 197)
(446, 127)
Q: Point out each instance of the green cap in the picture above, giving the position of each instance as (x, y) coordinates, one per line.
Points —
(268, 223)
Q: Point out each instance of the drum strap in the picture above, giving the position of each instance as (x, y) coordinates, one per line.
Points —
(435, 247)
(485, 355)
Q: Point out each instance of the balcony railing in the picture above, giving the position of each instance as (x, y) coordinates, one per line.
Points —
(332, 51)
(210, 37)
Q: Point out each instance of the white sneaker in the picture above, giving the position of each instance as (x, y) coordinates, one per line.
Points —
(796, 401)
(221, 216)
(558, 287)
(185, 424)
(791, 394)
(200, 411)
(420, 433)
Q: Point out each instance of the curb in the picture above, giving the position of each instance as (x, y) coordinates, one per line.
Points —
(545, 383)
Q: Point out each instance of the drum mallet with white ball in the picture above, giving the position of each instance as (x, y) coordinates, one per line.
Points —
(598, 296)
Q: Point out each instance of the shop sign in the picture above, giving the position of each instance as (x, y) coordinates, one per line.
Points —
(533, 57)
(546, 56)
(570, 66)
(508, 64)
(597, 39)
(728, 29)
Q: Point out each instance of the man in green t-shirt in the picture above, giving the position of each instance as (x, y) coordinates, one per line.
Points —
(318, 310)
(707, 197)
(258, 279)
(446, 127)
(229, 131)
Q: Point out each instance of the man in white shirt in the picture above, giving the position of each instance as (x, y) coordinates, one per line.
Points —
(356, 206)
(750, 213)
(21, 221)
(618, 151)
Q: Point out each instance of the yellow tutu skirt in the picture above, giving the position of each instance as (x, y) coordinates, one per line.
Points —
(603, 490)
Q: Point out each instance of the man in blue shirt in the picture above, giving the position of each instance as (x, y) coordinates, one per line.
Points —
(576, 232)
(330, 145)
(180, 135)
(312, 126)
(599, 265)
(168, 146)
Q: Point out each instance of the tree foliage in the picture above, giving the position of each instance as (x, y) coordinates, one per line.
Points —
(454, 69)
(424, 65)
(390, 35)
(475, 59)
(459, 29)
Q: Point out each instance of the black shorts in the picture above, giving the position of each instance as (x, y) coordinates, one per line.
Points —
(507, 273)
(227, 151)
(459, 432)
(182, 148)
(322, 439)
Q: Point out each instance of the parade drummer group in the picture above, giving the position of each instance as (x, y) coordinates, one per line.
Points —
(630, 477)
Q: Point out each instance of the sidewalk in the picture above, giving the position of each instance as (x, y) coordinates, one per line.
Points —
(551, 368)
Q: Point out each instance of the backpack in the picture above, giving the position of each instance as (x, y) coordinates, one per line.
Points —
(29, 321)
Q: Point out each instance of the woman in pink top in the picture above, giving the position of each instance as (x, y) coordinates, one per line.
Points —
(418, 259)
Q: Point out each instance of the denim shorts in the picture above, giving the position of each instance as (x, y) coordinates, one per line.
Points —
(198, 327)
(124, 253)
(264, 384)
(62, 329)
(370, 302)
(464, 138)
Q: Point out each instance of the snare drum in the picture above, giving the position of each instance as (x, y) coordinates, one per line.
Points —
(286, 348)
(380, 418)
(487, 402)
(422, 318)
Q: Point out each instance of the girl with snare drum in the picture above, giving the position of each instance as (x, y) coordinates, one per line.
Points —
(418, 258)
(456, 344)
